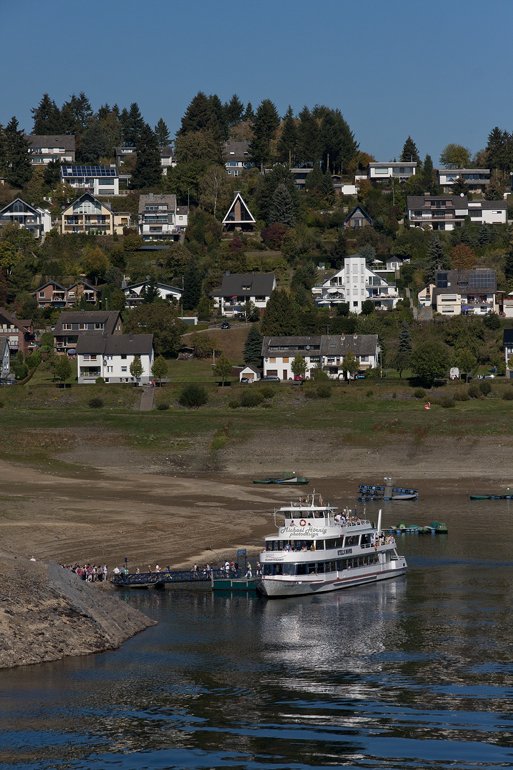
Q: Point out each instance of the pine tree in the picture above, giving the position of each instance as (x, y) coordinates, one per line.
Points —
(234, 110)
(405, 343)
(76, 113)
(162, 133)
(460, 187)
(249, 115)
(280, 316)
(339, 250)
(191, 286)
(338, 145)
(282, 209)
(314, 179)
(253, 347)
(198, 116)
(267, 187)
(494, 190)
(47, 117)
(288, 139)
(135, 126)
(16, 155)
(94, 143)
(328, 191)
(264, 131)
(437, 258)
(410, 152)
(308, 137)
(147, 171)
(220, 122)
(495, 148)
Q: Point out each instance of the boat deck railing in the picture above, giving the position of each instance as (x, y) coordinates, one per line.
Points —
(174, 576)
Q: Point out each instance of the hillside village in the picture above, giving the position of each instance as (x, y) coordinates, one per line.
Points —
(117, 239)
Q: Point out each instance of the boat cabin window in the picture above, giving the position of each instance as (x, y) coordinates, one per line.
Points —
(366, 540)
(322, 567)
(352, 540)
(334, 542)
(319, 545)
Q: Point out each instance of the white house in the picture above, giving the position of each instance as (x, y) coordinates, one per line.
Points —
(43, 148)
(325, 352)
(507, 342)
(5, 359)
(476, 178)
(446, 212)
(97, 180)
(110, 356)
(354, 284)
(403, 170)
(239, 288)
(236, 157)
(461, 292)
(160, 218)
(33, 218)
(135, 292)
(251, 373)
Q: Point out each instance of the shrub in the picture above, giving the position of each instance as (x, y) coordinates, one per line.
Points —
(319, 374)
(266, 405)
(419, 393)
(394, 394)
(267, 391)
(2, 404)
(193, 396)
(461, 395)
(369, 393)
(324, 391)
(485, 387)
(100, 381)
(474, 391)
(310, 393)
(507, 395)
(447, 402)
(96, 403)
(234, 403)
(162, 405)
(251, 398)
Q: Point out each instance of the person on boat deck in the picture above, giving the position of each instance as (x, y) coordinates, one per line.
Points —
(287, 547)
(249, 573)
(312, 547)
(137, 571)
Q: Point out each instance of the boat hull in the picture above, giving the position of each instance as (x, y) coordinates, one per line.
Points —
(273, 588)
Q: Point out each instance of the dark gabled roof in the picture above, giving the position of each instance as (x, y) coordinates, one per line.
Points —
(362, 211)
(114, 344)
(85, 284)
(260, 284)
(461, 171)
(297, 342)
(182, 210)
(51, 140)
(238, 149)
(28, 205)
(50, 283)
(491, 205)
(507, 338)
(166, 152)
(20, 323)
(419, 201)
(340, 345)
(108, 317)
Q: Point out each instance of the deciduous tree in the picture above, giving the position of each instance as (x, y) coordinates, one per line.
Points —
(455, 156)
(191, 286)
(223, 367)
(299, 366)
(162, 321)
(159, 368)
(136, 368)
(430, 361)
(463, 257)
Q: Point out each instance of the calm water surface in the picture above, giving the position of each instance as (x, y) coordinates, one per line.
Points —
(412, 673)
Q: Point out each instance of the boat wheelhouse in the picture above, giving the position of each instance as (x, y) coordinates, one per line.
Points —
(318, 549)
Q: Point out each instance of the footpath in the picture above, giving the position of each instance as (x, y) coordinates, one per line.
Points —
(147, 398)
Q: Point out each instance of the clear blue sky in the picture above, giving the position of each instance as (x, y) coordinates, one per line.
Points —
(440, 71)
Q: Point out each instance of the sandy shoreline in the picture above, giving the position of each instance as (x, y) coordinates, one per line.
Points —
(153, 509)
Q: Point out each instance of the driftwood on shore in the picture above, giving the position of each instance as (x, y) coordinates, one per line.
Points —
(48, 613)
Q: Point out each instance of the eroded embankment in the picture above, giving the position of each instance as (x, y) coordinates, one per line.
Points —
(48, 613)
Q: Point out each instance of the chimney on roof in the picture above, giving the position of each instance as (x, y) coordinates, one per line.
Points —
(150, 196)
(131, 337)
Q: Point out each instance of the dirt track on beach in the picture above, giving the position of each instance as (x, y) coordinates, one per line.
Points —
(116, 502)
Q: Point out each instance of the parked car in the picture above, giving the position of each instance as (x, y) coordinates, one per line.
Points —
(246, 380)
(489, 376)
(225, 325)
(271, 378)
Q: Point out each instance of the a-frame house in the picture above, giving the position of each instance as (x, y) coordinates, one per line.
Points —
(358, 218)
(239, 217)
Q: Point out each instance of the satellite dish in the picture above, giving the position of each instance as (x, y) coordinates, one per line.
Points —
(308, 347)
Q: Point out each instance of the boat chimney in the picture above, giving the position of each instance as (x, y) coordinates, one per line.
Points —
(379, 521)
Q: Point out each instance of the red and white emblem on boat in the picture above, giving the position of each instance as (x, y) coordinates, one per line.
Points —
(302, 522)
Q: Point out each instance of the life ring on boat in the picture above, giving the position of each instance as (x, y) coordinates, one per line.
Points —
(302, 523)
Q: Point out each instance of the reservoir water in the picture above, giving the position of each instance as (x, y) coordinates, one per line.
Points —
(411, 673)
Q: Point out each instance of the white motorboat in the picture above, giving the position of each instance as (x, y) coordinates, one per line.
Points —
(318, 550)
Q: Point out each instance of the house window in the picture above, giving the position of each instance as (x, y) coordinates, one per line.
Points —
(98, 326)
(66, 326)
(82, 326)
(123, 368)
(123, 356)
(41, 294)
(272, 373)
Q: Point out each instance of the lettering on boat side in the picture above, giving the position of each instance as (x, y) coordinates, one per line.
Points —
(344, 551)
(307, 531)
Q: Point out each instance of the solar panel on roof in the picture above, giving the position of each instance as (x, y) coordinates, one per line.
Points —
(88, 171)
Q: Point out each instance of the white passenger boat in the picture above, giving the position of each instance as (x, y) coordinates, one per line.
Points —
(318, 550)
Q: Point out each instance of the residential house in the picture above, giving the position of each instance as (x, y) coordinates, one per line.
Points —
(135, 292)
(355, 283)
(160, 218)
(18, 332)
(5, 360)
(239, 217)
(377, 172)
(341, 188)
(89, 215)
(44, 149)
(446, 212)
(395, 263)
(53, 294)
(239, 288)
(109, 356)
(98, 180)
(506, 306)
(73, 324)
(300, 175)
(33, 218)
(325, 352)
(236, 157)
(461, 292)
(167, 159)
(507, 343)
(476, 178)
(358, 218)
